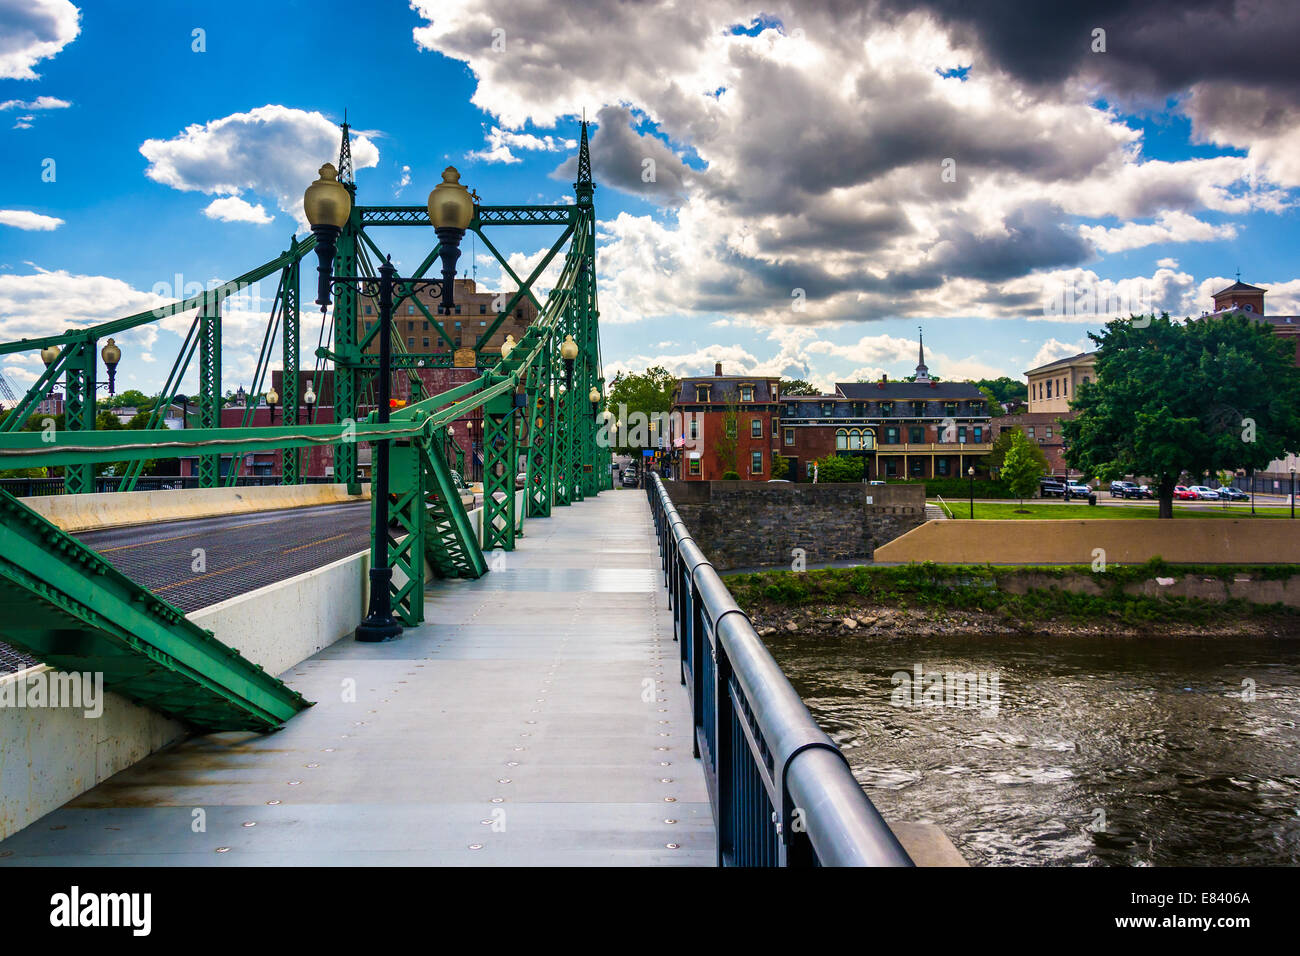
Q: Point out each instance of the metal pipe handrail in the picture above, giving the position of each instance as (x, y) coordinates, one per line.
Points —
(781, 791)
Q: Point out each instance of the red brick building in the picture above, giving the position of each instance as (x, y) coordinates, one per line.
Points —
(725, 423)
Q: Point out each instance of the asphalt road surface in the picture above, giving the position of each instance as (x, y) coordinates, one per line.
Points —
(240, 553)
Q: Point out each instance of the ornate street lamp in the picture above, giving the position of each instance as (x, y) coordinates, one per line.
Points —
(111, 355)
(451, 210)
(971, 472)
(568, 352)
(1293, 491)
(508, 346)
(272, 400)
(594, 397)
(49, 354)
(309, 396)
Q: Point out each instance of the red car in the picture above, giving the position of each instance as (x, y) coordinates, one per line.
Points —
(1183, 493)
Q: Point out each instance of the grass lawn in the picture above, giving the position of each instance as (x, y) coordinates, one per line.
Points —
(1037, 510)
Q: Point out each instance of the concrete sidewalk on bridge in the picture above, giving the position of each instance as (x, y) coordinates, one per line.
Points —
(535, 719)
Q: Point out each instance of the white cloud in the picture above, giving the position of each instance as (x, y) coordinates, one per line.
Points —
(30, 221)
(40, 103)
(501, 144)
(234, 209)
(1170, 226)
(1054, 349)
(34, 30)
(272, 151)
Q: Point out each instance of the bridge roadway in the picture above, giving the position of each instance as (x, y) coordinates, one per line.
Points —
(535, 718)
(240, 553)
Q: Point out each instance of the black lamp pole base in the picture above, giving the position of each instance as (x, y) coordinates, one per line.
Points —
(376, 629)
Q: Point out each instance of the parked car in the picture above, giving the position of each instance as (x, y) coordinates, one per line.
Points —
(1204, 493)
(1078, 489)
(1183, 493)
(1233, 494)
(1051, 488)
(1121, 489)
(629, 478)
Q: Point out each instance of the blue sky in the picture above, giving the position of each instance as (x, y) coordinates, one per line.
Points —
(703, 263)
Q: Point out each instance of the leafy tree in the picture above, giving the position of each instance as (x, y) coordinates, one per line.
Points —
(998, 453)
(131, 397)
(840, 468)
(1219, 392)
(1020, 468)
(1002, 390)
(728, 442)
(780, 467)
(797, 386)
(649, 392)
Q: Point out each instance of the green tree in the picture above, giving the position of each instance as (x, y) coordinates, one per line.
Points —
(1020, 468)
(1213, 393)
(998, 453)
(797, 386)
(780, 467)
(840, 468)
(728, 442)
(1002, 390)
(131, 397)
(649, 392)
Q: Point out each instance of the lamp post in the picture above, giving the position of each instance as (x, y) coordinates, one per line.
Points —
(971, 472)
(309, 399)
(1293, 492)
(111, 355)
(272, 400)
(594, 397)
(568, 352)
(327, 206)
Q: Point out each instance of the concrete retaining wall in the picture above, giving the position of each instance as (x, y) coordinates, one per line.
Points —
(1124, 541)
(49, 756)
(120, 509)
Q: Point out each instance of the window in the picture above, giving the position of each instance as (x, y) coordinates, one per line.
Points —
(917, 466)
(950, 408)
(693, 466)
(916, 435)
(482, 310)
(756, 463)
(693, 428)
(1031, 431)
(961, 434)
(1049, 388)
(756, 428)
(868, 439)
(841, 440)
(918, 408)
(426, 341)
(891, 435)
(410, 326)
(1065, 386)
(790, 411)
(410, 310)
(855, 440)
(789, 436)
(828, 409)
(747, 393)
(458, 310)
(519, 313)
(1049, 431)
(457, 325)
(370, 310)
(886, 408)
(1085, 380)
(891, 468)
(701, 393)
(941, 465)
(979, 434)
(426, 326)
(410, 341)
(482, 324)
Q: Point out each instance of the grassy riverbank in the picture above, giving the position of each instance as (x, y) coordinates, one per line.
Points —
(1032, 510)
(975, 599)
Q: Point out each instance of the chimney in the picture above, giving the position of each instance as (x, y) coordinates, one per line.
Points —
(717, 368)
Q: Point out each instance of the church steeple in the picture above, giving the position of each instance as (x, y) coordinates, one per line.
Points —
(922, 373)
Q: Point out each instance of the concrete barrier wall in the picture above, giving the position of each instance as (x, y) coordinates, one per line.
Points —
(51, 755)
(120, 509)
(1124, 541)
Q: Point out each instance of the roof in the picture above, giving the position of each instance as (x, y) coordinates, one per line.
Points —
(1062, 362)
(725, 388)
(895, 391)
(1239, 286)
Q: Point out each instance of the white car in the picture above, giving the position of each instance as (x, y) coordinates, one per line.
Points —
(1204, 493)
(1079, 491)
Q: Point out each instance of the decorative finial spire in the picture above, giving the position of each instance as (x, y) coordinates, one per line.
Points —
(345, 153)
(584, 154)
(922, 373)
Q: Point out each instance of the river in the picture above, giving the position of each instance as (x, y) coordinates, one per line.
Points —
(1072, 751)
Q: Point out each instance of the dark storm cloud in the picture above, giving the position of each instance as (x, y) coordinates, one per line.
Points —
(1035, 239)
(620, 157)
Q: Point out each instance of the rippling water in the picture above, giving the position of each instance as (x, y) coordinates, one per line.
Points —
(1102, 751)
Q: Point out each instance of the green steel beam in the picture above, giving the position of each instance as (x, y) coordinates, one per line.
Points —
(500, 465)
(68, 607)
(79, 412)
(290, 458)
(346, 351)
(210, 386)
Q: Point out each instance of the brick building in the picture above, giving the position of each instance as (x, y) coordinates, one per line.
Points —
(1051, 388)
(911, 429)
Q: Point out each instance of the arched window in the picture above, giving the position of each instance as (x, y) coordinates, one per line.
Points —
(868, 439)
(841, 440)
(855, 440)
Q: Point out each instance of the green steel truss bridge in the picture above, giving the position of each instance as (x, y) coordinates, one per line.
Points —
(531, 404)
(544, 690)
